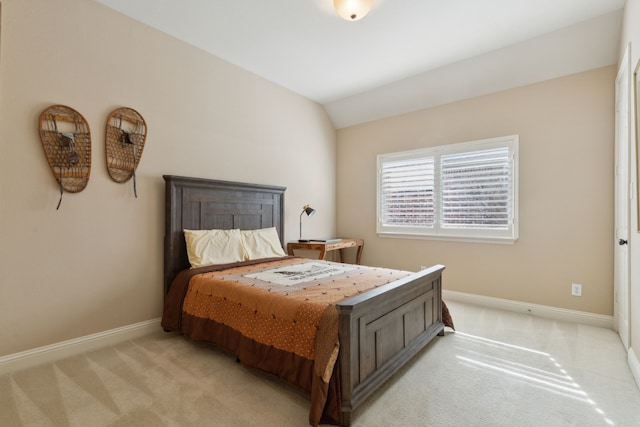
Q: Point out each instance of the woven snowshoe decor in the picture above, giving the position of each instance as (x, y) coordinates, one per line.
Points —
(125, 137)
(66, 140)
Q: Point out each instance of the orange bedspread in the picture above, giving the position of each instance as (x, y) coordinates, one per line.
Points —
(299, 318)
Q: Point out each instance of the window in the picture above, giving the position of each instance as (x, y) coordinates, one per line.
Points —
(466, 191)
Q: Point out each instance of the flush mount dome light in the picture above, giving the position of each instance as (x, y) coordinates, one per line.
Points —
(352, 10)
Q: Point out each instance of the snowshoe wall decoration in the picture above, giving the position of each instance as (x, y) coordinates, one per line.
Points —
(126, 135)
(66, 140)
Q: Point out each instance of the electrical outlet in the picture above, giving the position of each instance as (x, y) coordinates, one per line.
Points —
(576, 289)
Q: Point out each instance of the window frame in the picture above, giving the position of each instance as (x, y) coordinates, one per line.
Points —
(437, 232)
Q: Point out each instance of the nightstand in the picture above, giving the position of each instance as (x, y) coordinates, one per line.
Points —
(324, 247)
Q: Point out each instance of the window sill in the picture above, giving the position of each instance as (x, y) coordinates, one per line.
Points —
(465, 239)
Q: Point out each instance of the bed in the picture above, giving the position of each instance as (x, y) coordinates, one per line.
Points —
(378, 330)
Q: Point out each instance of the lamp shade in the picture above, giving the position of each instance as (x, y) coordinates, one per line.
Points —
(352, 10)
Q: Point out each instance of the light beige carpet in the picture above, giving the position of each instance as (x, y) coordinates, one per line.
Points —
(498, 369)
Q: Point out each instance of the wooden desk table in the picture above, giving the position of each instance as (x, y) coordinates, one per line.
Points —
(324, 247)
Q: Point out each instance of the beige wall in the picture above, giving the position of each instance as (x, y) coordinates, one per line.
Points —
(566, 199)
(631, 34)
(96, 264)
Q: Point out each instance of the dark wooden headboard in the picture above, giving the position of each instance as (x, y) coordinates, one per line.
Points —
(203, 204)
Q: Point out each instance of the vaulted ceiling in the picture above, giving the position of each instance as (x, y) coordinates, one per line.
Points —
(405, 55)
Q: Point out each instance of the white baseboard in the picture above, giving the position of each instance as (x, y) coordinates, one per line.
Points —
(51, 353)
(634, 365)
(545, 311)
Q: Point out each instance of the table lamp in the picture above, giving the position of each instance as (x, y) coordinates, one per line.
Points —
(309, 211)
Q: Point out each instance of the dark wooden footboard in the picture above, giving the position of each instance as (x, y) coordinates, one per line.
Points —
(382, 329)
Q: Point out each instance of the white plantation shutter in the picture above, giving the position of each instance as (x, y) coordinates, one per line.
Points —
(407, 192)
(462, 191)
(476, 189)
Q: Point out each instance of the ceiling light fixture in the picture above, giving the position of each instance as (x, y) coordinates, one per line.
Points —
(352, 10)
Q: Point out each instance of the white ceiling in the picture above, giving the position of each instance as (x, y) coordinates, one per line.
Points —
(405, 55)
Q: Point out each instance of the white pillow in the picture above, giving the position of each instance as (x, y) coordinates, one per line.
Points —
(208, 247)
(262, 243)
